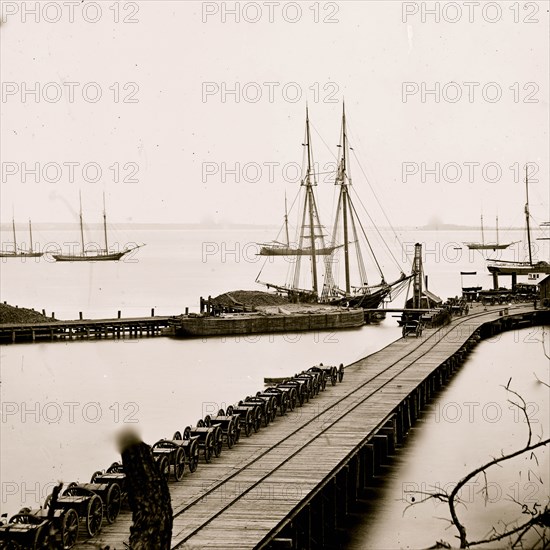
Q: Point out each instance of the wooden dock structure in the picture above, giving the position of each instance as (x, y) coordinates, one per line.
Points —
(132, 327)
(292, 484)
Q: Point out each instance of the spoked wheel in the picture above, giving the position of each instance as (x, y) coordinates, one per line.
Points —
(208, 448)
(333, 376)
(94, 515)
(187, 433)
(323, 382)
(179, 464)
(113, 503)
(229, 410)
(221, 412)
(283, 404)
(231, 434)
(193, 456)
(200, 423)
(25, 517)
(207, 421)
(96, 474)
(257, 421)
(115, 468)
(217, 441)
(340, 372)
(43, 539)
(247, 423)
(177, 436)
(163, 464)
(69, 529)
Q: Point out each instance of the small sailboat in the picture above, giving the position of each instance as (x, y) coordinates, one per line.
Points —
(501, 267)
(15, 253)
(489, 246)
(94, 255)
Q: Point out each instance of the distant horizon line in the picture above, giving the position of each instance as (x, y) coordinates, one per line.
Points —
(7, 226)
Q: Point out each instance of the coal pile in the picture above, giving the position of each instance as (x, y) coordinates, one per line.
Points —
(249, 299)
(10, 314)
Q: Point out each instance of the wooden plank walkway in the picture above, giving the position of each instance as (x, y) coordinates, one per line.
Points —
(251, 493)
(83, 328)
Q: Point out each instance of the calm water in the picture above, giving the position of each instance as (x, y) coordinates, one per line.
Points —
(62, 403)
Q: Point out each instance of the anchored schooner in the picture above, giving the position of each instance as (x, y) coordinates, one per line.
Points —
(348, 232)
(15, 253)
(502, 267)
(489, 246)
(93, 255)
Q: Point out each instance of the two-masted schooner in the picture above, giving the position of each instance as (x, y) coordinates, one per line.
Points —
(348, 235)
(16, 253)
(502, 267)
(489, 246)
(94, 255)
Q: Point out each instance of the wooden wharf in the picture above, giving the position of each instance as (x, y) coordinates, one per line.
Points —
(293, 483)
(132, 327)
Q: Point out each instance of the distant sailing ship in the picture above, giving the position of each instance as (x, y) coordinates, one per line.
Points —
(489, 246)
(502, 267)
(93, 255)
(15, 253)
(311, 242)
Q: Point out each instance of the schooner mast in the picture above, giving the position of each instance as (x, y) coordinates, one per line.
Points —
(309, 231)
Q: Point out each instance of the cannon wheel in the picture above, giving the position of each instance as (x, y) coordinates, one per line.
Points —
(43, 538)
(283, 404)
(218, 441)
(193, 457)
(221, 412)
(187, 432)
(340, 372)
(333, 376)
(230, 410)
(69, 529)
(200, 423)
(207, 421)
(94, 515)
(95, 474)
(163, 465)
(113, 502)
(115, 468)
(208, 447)
(231, 433)
(179, 464)
(11, 545)
(177, 436)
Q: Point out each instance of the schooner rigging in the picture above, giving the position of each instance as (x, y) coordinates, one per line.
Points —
(15, 253)
(102, 255)
(489, 246)
(347, 235)
(502, 267)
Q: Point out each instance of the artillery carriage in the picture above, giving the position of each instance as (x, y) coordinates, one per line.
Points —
(34, 529)
(88, 504)
(229, 426)
(190, 446)
(169, 454)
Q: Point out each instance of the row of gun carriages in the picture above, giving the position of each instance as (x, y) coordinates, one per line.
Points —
(58, 523)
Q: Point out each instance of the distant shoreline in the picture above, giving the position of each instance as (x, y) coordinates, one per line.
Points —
(223, 226)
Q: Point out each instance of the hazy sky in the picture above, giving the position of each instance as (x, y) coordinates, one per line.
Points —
(166, 136)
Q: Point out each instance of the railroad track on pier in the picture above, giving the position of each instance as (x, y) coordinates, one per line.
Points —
(346, 405)
(264, 486)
